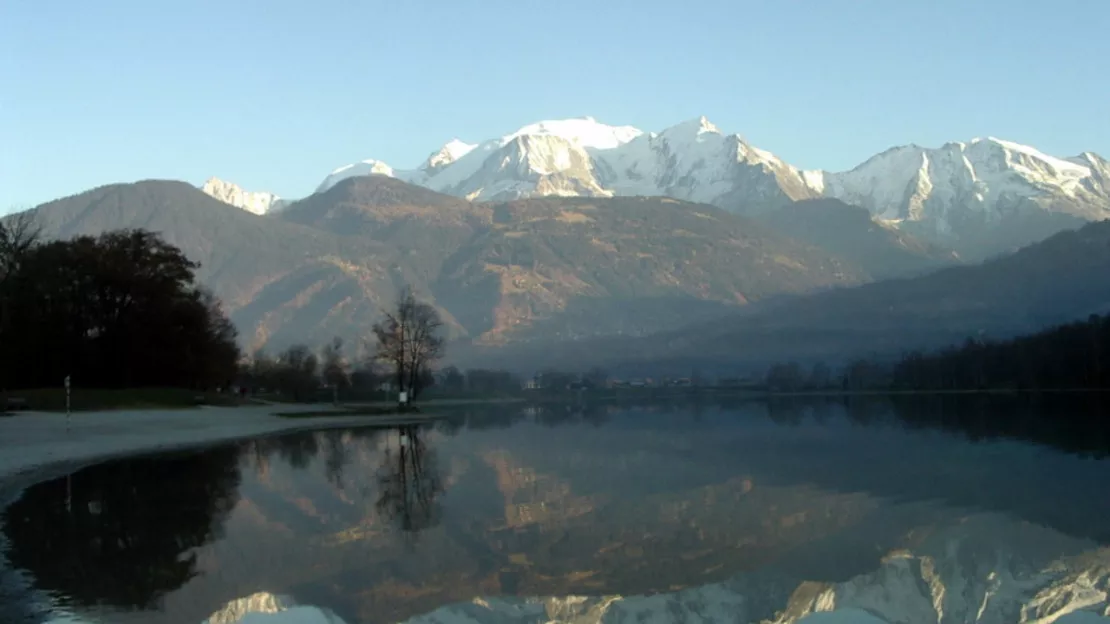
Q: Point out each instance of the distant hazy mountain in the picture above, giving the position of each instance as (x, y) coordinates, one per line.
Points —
(280, 281)
(980, 197)
(534, 269)
(1060, 279)
(572, 267)
(849, 232)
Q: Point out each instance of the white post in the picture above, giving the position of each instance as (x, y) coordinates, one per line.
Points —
(67, 403)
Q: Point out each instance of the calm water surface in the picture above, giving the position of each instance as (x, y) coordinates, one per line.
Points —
(777, 502)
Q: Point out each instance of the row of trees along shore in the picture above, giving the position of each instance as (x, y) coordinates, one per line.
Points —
(300, 374)
(406, 343)
(1073, 356)
(123, 310)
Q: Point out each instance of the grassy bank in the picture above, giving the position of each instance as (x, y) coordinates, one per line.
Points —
(88, 399)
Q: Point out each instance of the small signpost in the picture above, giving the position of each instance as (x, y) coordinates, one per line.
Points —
(67, 403)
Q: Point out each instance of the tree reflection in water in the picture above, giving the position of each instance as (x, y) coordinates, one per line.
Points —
(128, 535)
(409, 483)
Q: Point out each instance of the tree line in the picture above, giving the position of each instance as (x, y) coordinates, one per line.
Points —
(1073, 356)
(121, 309)
(301, 374)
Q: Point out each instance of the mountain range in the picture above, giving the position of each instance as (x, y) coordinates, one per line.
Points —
(527, 270)
(619, 281)
(724, 260)
(979, 197)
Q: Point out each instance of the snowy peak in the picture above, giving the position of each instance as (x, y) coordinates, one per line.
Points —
(267, 607)
(956, 574)
(972, 196)
(693, 160)
(985, 181)
(259, 202)
(365, 168)
(449, 153)
(581, 131)
(525, 166)
(692, 128)
(1090, 159)
(1031, 163)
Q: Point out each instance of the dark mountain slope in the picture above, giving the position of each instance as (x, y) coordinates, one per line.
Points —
(537, 269)
(422, 225)
(572, 267)
(1063, 278)
(849, 232)
(266, 271)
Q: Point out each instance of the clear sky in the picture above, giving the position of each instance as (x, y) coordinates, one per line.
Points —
(274, 94)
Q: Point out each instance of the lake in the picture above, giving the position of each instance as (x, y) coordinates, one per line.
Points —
(906, 510)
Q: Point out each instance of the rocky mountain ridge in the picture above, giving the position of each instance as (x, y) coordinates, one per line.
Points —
(979, 197)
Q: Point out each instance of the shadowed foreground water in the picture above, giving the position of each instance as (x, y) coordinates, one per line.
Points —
(783, 504)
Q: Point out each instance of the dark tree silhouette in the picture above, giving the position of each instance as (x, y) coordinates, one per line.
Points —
(452, 380)
(1071, 356)
(409, 342)
(334, 367)
(120, 533)
(18, 236)
(115, 310)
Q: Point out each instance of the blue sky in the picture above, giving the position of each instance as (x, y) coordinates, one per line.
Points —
(275, 94)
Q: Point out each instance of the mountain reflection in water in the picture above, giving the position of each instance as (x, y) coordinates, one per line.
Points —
(381, 525)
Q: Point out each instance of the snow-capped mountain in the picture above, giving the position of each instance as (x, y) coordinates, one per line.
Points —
(981, 183)
(983, 568)
(259, 202)
(971, 571)
(583, 157)
(272, 609)
(987, 192)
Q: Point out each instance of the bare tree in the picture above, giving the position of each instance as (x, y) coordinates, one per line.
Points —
(297, 372)
(409, 342)
(335, 368)
(18, 236)
(409, 484)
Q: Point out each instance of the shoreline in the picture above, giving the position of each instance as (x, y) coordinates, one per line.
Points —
(38, 446)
